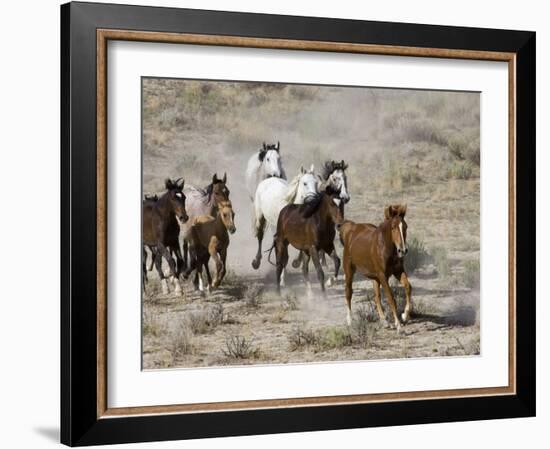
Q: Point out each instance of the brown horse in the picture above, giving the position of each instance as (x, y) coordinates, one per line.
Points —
(377, 252)
(209, 238)
(203, 202)
(309, 227)
(160, 227)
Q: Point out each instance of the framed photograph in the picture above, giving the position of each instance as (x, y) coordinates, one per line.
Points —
(281, 224)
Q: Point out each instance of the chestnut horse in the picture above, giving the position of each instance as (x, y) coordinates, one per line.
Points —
(309, 227)
(377, 252)
(161, 220)
(209, 237)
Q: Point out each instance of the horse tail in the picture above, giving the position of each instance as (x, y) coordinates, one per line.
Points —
(270, 250)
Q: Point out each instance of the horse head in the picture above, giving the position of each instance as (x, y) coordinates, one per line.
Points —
(176, 198)
(270, 159)
(218, 189)
(395, 215)
(304, 185)
(227, 215)
(334, 175)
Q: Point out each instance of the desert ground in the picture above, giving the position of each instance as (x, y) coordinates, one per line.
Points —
(402, 146)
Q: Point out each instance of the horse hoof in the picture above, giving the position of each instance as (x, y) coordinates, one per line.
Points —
(398, 328)
(384, 323)
(404, 317)
(255, 264)
(330, 282)
(165, 289)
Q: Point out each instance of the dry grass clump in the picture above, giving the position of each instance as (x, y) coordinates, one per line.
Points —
(254, 295)
(239, 347)
(180, 340)
(300, 338)
(471, 273)
(205, 321)
(151, 324)
(441, 261)
(417, 256)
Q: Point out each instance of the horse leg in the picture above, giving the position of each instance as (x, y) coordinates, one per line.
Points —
(314, 253)
(223, 256)
(281, 255)
(150, 267)
(163, 283)
(298, 260)
(404, 279)
(391, 302)
(164, 252)
(144, 279)
(213, 251)
(336, 261)
(378, 302)
(305, 270)
(260, 229)
(323, 258)
(349, 272)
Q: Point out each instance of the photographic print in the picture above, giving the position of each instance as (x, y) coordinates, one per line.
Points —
(289, 223)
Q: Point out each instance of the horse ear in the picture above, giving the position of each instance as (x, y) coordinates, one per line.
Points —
(402, 210)
(302, 171)
(215, 178)
(344, 165)
(182, 184)
(278, 145)
(265, 148)
(168, 183)
(312, 168)
(224, 177)
(388, 212)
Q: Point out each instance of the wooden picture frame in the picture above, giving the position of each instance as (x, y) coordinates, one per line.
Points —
(86, 29)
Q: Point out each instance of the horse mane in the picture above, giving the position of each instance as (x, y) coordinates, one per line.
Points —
(265, 148)
(153, 197)
(329, 167)
(293, 189)
(207, 191)
(311, 205)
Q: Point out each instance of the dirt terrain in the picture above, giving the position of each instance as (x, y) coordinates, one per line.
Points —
(244, 321)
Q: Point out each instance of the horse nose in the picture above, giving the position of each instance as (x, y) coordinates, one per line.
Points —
(346, 199)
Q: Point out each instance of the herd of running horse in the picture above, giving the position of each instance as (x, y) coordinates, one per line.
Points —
(306, 212)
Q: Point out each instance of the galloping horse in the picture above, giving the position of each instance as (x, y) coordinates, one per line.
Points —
(272, 195)
(333, 174)
(309, 227)
(262, 165)
(203, 202)
(160, 221)
(209, 238)
(377, 252)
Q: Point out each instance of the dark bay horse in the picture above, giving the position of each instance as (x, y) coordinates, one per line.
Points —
(377, 252)
(209, 238)
(309, 227)
(203, 202)
(160, 228)
(333, 174)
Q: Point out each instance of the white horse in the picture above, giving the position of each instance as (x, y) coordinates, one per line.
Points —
(262, 165)
(272, 195)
